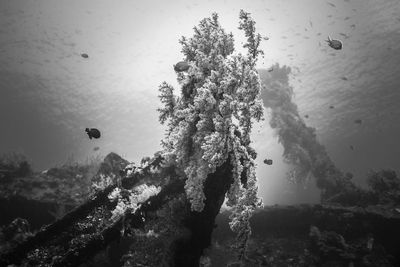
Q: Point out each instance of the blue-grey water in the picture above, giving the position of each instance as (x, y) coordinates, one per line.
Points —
(49, 94)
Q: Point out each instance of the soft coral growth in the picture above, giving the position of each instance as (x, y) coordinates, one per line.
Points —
(212, 120)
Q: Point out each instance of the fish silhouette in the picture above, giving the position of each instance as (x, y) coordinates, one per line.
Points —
(268, 161)
(335, 44)
(93, 133)
(181, 66)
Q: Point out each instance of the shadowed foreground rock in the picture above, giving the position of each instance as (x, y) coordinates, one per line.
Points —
(316, 235)
(163, 231)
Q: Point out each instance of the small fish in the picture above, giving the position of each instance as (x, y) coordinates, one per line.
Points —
(351, 147)
(270, 69)
(181, 66)
(358, 121)
(96, 148)
(353, 26)
(311, 23)
(346, 18)
(332, 5)
(335, 44)
(331, 107)
(84, 55)
(93, 133)
(266, 38)
(268, 161)
(306, 116)
(319, 34)
(344, 35)
(344, 78)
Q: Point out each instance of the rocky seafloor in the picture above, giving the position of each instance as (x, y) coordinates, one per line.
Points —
(63, 221)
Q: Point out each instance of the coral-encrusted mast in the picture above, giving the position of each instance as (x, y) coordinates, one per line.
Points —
(212, 119)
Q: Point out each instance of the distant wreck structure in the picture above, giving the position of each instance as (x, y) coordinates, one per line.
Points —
(301, 148)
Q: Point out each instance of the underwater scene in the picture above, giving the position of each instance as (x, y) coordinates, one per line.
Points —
(200, 133)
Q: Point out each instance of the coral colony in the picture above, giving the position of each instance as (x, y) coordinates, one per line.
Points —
(212, 120)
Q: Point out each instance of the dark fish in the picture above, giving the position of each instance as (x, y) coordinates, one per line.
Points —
(306, 116)
(266, 38)
(351, 147)
(270, 69)
(331, 107)
(332, 5)
(358, 121)
(268, 161)
(311, 23)
(84, 55)
(93, 133)
(96, 148)
(344, 78)
(181, 66)
(335, 44)
(346, 18)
